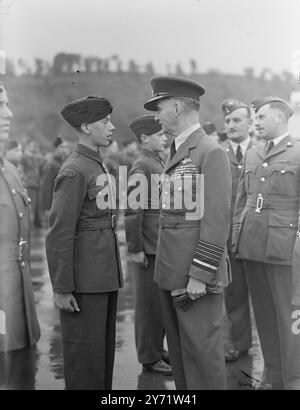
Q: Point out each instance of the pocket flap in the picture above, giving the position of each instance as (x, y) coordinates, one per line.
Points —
(283, 221)
(93, 192)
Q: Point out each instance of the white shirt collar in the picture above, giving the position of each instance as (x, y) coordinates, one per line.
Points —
(243, 145)
(280, 138)
(180, 139)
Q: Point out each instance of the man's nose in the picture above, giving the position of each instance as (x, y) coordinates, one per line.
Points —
(7, 113)
(112, 127)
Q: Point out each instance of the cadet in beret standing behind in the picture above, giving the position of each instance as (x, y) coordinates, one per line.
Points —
(141, 232)
(82, 250)
(237, 122)
(19, 328)
(264, 232)
(191, 251)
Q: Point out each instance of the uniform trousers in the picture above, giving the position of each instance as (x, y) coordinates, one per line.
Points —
(271, 292)
(149, 328)
(89, 341)
(195, 342)
(237, 306)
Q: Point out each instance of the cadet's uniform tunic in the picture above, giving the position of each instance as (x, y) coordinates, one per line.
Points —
(19, 326)
(190, 246)
(237, 294)
(264, 232)
(83, 258)
(141, 233)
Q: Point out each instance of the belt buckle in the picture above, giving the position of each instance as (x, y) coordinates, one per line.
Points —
(22, 244)
(259, 203)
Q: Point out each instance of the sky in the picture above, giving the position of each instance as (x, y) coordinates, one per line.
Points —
(226, 35)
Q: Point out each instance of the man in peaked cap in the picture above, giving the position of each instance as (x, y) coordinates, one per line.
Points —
(141, 232)
(191, 251)
(82, 250)
(237, 123)
(264, 231)
(19, 328)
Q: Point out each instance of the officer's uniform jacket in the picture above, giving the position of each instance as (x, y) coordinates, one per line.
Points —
(267, 205)
(194, 246)
(236, 169)
(142, 224)
(19, 326)
(81, 244)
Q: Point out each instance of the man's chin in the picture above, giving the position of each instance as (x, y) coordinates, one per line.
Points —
(4, 136)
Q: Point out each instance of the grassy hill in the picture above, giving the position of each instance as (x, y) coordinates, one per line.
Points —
(36, 101)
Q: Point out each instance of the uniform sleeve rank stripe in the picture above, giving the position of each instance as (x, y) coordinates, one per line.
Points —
(204, 265)
(201, 248)
(211, 246)
(208, 256)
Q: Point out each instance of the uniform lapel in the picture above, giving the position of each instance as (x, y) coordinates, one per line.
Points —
(183, 151)
(281, 147)
(230, 153)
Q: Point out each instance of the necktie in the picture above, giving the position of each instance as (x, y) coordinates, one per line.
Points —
(269, 147)
(239, 154)
(172, 150)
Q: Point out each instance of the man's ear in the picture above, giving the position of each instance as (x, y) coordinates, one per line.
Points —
(85, 128)
(144, 139)
(177, 108)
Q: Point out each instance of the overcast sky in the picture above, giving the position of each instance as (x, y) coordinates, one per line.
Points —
(227, 35)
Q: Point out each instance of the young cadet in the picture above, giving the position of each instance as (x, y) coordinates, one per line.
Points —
(82, 250)
(141, 233)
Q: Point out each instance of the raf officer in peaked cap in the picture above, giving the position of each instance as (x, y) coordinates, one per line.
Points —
(19, 328)
(264, 232)
(237, 123)
(82, 250)
(191, 269)
(141, 232)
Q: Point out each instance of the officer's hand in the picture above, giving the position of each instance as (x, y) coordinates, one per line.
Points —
(66, 302)
(196, 288)
(140, 258)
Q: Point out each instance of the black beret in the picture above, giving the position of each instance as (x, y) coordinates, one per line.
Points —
(86, 110)
(230, 104)
(259, 102)
(209, 127)
(144, 125)
(170, 87)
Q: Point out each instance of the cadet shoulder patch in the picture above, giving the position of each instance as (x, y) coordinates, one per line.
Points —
(67, 172)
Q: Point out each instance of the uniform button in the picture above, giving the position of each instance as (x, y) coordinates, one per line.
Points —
(240, 166)
(265, 164)
(282, 171)
(2, 169)
(181, 173)
(166, 193)
(163, 205)
(29, 200)
(13, 191)
(21, 215)
(227, 149)
(262, 179)
(291, 225)
(179, 188)
(23, 264)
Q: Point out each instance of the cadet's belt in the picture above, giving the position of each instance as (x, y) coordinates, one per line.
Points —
(178, 221)
(285, 204)
(97, 224)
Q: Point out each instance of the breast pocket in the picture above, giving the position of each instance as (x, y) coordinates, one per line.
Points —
(98, 198)
(250, 173)
(284, 180)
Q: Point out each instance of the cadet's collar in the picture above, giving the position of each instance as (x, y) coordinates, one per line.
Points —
(88, 152)
(150, 153)
(280, 138)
